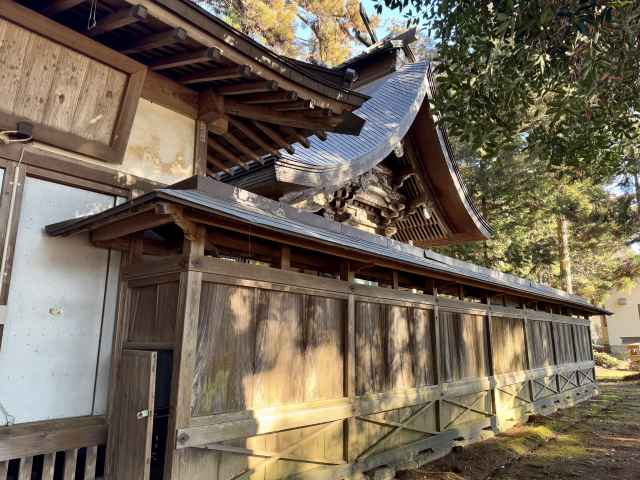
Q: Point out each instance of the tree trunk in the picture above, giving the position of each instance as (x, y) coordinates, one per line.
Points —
(565, 255)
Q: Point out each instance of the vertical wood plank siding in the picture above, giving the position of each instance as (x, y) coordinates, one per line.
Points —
(541, 343)
(273, 395)
(258, 348)
(509, 352)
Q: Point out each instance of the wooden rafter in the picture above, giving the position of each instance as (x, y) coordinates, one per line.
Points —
(58, 6)
(253, 136)
(275, 97)
(225, 152)
(300, 138)
(162, 39)
(226, 73)
(267, 114)
(119, 19)
(275, 136)
(322, 135)
(188, 58)
(233, 140)
(292, 106)
(218, 164)
(248, 87)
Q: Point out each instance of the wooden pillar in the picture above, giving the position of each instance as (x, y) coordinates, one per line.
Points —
(281, 257)
(200, 148)
(527, 342)
(350, 424)
(437, 347)
(395, 283)
(489, 336)
(177, 461)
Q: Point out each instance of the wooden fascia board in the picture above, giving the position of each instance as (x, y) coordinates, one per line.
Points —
(275, 69)
(61, 34)
(132, 224)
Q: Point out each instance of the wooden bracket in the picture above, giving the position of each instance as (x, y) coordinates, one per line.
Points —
(176, 212)
(211, 111)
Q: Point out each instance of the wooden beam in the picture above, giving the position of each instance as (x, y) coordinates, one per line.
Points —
(227, 73)
(229, 137)
(58, 6)
(275, 97)
(248, 87)
(217, 163)
(162, 39)
(133, 224)
(119, 19)
(253, 136)
(188, 58)
(164, 91)
(300, 138)
(269, 115)
(275, 136)
(292, 106)
(225, 152)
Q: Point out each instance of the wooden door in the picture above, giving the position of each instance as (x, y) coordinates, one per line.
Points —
(131, 424)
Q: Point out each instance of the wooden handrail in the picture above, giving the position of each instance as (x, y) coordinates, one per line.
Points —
(37, 438)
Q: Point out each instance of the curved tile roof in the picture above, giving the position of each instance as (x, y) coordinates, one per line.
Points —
(395, 101)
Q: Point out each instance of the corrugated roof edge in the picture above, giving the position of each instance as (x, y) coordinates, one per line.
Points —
(212, 195)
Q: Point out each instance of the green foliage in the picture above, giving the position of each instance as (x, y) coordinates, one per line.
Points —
(561, 75)
(522, 198)
(605, 360)
(322, 31)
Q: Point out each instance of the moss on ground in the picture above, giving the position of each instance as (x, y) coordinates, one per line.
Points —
(598, 439)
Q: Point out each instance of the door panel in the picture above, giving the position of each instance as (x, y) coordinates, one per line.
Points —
(129, 450)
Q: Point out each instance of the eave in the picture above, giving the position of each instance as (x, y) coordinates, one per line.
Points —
(206, 201)
(190, 54)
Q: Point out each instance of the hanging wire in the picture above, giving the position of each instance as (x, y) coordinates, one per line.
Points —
(91, 21)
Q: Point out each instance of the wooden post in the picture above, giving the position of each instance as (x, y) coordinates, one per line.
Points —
(527, 348)
(489, 336)
(200, 150)
(350, 425)
(438, 357)
(395, 281)
(184, 353)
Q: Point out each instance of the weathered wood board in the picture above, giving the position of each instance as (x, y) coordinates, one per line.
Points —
(52, 85)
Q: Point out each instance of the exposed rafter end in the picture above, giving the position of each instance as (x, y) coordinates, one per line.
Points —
(200, 56)
(162, 39)
(119, 19)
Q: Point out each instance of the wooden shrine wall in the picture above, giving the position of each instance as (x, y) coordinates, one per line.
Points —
(73, 100)
(303, 375)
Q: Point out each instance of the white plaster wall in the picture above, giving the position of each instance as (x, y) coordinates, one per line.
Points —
(625, 321)
(60, 318)
(161, 145)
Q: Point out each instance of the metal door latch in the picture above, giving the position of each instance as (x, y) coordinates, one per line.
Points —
(142, 414)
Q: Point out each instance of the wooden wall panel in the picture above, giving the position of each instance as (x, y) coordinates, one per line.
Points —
(583, 343)
(152, 313)
(50, 84)
(394, 348)
(540, 343)
(463, 344)
(565, 352)
(509, 352)
(259, 348)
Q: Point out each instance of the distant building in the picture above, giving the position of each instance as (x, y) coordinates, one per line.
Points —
(623, 326)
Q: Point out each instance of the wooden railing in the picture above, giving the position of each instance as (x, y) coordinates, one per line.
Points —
(70, 449)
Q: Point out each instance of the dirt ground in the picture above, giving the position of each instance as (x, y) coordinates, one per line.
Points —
(598, 439)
